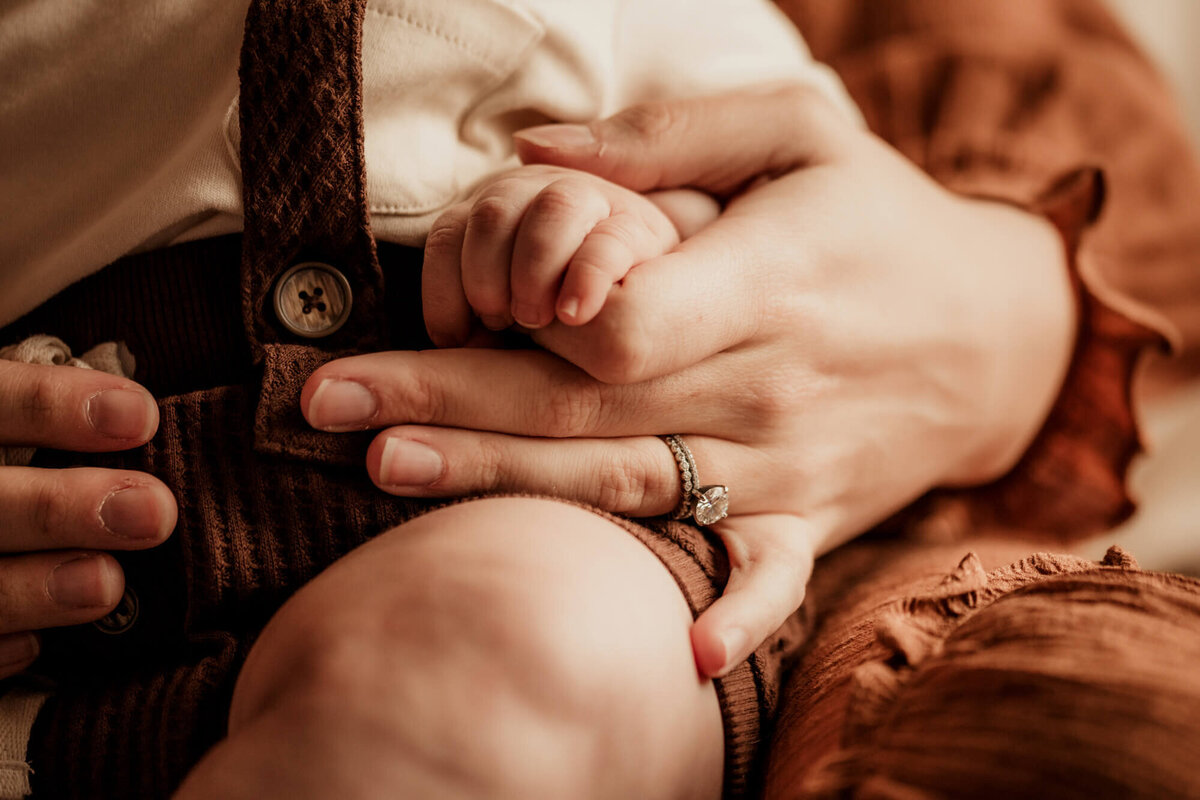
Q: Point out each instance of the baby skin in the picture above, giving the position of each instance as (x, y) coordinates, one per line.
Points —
(544, 243)
(480, 662)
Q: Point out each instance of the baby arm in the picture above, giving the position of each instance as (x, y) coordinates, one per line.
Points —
(542, 242)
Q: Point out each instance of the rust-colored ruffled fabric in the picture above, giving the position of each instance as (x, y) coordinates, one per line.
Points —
(1004, 101)
(1051, 676)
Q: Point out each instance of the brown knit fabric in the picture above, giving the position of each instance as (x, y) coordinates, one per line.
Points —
(304, 186)
(265, 502)
(305, 197)
(946, 80)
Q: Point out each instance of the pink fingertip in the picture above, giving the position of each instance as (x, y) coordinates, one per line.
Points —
(717, 654)
(568, 310)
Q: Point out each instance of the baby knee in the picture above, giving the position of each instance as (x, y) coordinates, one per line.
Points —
(525, 640)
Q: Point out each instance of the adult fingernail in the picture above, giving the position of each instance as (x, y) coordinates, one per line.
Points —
(121, 413)
(735, 641)
(136, 512)
(81, 582)
(558, 136)
(19, 649)
(409, 463)
(342, 405)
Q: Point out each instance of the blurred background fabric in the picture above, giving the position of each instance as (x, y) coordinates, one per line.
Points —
(1165, 532)
(1170, 32)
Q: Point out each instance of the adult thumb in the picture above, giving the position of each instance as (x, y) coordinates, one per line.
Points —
(771, 559)
(717, 143)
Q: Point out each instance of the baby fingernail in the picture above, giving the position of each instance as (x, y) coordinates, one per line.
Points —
(19, 649)
(121, 413)
(134, 513)
(409, 463)
(569, 307)
(81, 583)
(339, 405)
(495, 323)
(558, 136)
(528, 315)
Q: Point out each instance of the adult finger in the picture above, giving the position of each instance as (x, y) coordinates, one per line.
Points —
(682, 308)
(17, 651)
(443, 301)
(634, 475)
(715, 143)
(48, 590)
(73, 409)
(528, 392)
(677, 309)
(607, 254)
(45, 509)
(771, 560)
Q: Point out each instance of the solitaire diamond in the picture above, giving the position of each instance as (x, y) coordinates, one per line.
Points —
(712, 505)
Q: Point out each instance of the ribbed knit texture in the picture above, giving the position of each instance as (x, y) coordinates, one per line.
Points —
(172, 308)
(265, 502)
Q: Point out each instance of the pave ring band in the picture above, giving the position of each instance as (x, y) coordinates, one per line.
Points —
(704, 504)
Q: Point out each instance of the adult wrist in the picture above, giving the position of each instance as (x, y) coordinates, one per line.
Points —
(1028, 329)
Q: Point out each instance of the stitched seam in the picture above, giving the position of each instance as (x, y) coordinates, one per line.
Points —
(456, 41)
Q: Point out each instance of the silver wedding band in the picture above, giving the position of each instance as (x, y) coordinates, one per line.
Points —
(706, 505)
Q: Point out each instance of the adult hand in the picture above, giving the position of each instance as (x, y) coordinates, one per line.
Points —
(57, 522)
(844, 337)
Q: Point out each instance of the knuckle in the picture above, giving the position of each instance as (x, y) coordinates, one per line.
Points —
(491, 215)
(767, 403)
(809, 109)
(52, 510)
(621, 480)
(625, 356)
(647, 120)
(561, 200)
(490, 465)
(617, 235)
(41, 394)
(572, 410)
(416, 397)
(445, 235)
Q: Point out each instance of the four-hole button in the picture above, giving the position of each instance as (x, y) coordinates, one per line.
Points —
(312, 299)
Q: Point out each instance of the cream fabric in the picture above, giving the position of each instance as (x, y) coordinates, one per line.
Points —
(111, 357)
(118, 118)
(18, 710)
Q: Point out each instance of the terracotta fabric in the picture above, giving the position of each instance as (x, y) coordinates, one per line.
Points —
(265, 502)
(1015, 675)
(1051, 676)
(1001, 100)
(996, 99)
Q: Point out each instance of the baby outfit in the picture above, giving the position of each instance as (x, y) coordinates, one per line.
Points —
(222, 201)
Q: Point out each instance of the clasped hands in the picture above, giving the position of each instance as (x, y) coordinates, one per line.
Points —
(844, 337)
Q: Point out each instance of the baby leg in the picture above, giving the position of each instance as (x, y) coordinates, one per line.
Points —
(507, 647)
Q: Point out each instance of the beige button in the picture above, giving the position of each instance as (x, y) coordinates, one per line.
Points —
(121, 618)
(313, 299)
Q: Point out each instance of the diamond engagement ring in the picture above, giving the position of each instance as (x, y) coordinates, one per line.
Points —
(704, 504)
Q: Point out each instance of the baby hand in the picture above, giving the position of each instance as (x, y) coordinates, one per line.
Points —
(543, 242)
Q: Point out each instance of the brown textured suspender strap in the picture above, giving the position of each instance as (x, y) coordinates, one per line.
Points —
(305, 199)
